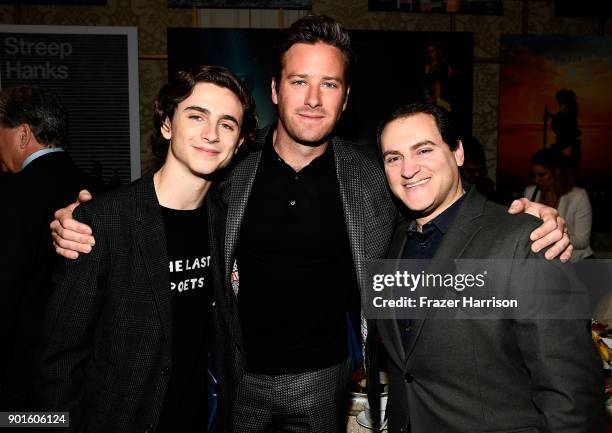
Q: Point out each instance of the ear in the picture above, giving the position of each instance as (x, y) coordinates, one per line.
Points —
(166, 129)
(24, 135)
(348, 90)
(458, 153)
(274, 92)
(238, 145)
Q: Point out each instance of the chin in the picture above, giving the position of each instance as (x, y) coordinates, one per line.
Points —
(415, 206)
(306, 135)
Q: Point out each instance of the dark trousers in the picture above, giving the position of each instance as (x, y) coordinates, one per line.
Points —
(310, 402)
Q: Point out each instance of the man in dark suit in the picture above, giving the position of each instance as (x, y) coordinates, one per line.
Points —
(33, 135)
(129, 325)
(305, 211)
(465, 376)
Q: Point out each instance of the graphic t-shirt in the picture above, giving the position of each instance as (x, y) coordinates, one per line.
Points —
(185, 407)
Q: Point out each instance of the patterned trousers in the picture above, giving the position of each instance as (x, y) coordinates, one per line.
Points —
(310, 402)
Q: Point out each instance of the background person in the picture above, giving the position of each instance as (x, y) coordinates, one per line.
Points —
(555, 187)
(33, 139)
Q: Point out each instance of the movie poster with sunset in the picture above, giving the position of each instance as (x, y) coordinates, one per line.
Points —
(534, 69)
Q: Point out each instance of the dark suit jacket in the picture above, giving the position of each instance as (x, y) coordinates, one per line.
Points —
(369, 212)
(108, 356)
(27, 259)
(491, 375)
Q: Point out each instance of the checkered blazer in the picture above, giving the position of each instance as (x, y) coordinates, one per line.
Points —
(369, 211)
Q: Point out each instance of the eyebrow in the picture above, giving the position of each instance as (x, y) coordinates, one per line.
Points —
(391, 152)
(423, 143)
(324, 78)
(207, 112)
(413, 147)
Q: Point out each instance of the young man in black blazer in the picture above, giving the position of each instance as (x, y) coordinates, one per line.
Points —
(131, 325)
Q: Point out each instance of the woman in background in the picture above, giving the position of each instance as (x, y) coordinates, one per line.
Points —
(555, 187)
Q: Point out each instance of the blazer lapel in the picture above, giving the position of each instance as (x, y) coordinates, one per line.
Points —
(459, 235)
(243, 176)
(349, 181)
(389, 328)
(151, 239)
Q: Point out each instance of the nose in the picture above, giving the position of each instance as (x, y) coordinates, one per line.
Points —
(313, 96)
(409, 168)
(209, 132)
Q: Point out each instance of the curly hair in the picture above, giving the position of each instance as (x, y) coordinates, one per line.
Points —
(181, 87)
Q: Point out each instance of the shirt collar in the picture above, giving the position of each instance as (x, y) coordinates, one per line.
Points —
(40, 153)
(442, 222)
(326, 159)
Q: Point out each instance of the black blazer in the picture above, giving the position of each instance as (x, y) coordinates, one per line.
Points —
(27, 259)
(491, 375)
(109, 326)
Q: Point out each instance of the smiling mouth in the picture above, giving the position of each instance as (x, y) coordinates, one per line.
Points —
(417, 183)
(211, 152)
(311, 116)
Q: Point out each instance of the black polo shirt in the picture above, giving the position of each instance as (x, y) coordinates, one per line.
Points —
(295, 267)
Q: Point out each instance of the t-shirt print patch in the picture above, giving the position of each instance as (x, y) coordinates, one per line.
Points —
(188, 274)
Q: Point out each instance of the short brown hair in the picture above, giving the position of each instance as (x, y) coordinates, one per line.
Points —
(310, 30)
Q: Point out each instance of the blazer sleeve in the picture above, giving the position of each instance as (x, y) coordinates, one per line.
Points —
(566, 374)
(580, 231)
(73, 312)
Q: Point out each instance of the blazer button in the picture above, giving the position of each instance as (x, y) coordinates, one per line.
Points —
(165, 371)
(408, 378)
(148, 428)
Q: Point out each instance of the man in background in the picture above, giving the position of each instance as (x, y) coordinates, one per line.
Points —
(33, 135)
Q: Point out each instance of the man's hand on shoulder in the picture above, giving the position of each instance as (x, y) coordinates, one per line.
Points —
(553, 230)
(71, 237)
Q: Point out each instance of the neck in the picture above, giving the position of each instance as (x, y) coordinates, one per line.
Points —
(448, 202)
(30, 149)
(179, 188)
(296, 155)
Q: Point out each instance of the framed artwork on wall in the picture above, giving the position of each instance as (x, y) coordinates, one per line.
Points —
(391, 68)
(242, 4)
(94, 72)
(583, 8)
(556, 92)
(477, 7)
(55, 2)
